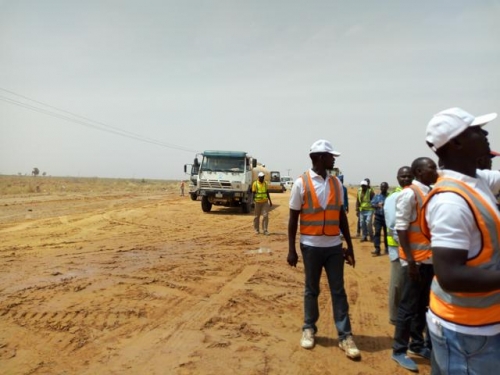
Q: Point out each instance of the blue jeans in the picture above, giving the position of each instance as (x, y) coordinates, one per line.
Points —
(332, 260)
(460, 354)
(411, 321)
(366, 218)
(379, 227)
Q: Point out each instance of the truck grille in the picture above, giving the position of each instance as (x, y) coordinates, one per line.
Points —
(215, 184)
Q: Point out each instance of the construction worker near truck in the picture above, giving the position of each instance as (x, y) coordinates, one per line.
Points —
(262, 201)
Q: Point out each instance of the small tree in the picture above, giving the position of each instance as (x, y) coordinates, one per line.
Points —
(35, 172)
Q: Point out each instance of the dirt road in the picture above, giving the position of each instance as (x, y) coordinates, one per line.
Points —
(138, 283)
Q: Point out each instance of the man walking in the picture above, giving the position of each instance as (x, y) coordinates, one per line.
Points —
(415, 256)
(316, 198)
(364, 209)
(461, 217)
(379, 222)
(262, 201)
(404, 178)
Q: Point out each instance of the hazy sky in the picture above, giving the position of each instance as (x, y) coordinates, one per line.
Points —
(263, 76)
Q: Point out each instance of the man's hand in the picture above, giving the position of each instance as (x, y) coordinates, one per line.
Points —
(413, 270)
(292, 258)
(349, 256)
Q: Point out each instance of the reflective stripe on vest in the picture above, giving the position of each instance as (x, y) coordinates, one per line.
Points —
(420, 245)
(314, 220)
(469, 309)
(260, 190)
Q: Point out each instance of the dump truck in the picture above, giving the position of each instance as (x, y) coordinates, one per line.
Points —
(225, 179)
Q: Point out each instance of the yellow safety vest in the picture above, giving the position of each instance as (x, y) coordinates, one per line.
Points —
(260, 190)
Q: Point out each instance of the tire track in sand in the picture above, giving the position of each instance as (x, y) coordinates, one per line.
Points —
(179, 337)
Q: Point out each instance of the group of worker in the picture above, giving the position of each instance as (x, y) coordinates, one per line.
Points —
(442, 239)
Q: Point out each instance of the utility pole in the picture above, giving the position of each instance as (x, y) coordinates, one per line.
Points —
(288, 172)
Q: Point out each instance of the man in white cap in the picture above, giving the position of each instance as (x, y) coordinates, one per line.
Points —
(364, 209)
(463, 223)
(262, 201)
(316, 198)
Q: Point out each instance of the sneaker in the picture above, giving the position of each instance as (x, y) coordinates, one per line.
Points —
(257, 231)
(376, 253)
(349, 347)
(307, 340)
(266, 233)
(404, 361)
(422, 352)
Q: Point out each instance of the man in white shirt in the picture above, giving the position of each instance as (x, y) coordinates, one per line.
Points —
(317, 200)
(417, 271)
(461, 217)
(404, 177)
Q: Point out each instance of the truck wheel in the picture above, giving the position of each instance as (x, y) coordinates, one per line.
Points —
(246, 207)
(206, 206)
(194, 196)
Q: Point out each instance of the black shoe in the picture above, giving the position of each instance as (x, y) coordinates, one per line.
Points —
(422, 352)
(376, 253)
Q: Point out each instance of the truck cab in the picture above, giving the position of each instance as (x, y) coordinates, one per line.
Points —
(225, 179)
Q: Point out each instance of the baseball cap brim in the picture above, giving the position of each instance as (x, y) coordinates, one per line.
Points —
(484, 119)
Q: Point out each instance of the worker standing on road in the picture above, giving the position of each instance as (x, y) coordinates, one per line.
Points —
(182, 188)
(317, 198)
(463, 223)
(262, 201)
(416, 260)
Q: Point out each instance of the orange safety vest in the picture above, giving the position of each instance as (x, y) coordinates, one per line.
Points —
(419, 244)
(469, 309)
(314, 220)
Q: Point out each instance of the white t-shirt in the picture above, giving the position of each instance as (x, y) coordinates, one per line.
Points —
(452, 225)
(322, 188)
(406, 211)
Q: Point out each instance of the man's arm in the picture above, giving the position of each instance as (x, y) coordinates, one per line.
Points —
(344, 227)
(269, 197)
(455, 276)
(293, 220)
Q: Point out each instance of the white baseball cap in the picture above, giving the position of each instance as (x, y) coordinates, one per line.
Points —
(323, 146)
(364, 182)
(448, 124)
(261, 174)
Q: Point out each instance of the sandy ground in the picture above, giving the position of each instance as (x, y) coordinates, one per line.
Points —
(146, 283)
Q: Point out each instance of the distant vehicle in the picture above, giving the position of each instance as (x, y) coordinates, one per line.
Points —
(288, 185)
(275, 185)
(192, 170)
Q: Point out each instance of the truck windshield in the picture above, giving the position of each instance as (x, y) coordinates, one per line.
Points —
(222, 164)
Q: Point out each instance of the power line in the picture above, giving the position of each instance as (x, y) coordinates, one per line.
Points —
(85, 121)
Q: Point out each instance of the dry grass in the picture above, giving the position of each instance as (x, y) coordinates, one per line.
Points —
(19, 185)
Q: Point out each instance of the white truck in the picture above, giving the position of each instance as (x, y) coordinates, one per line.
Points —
(225, 179)
(192, 170)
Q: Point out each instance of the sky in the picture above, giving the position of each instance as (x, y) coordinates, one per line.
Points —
(134, 89)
